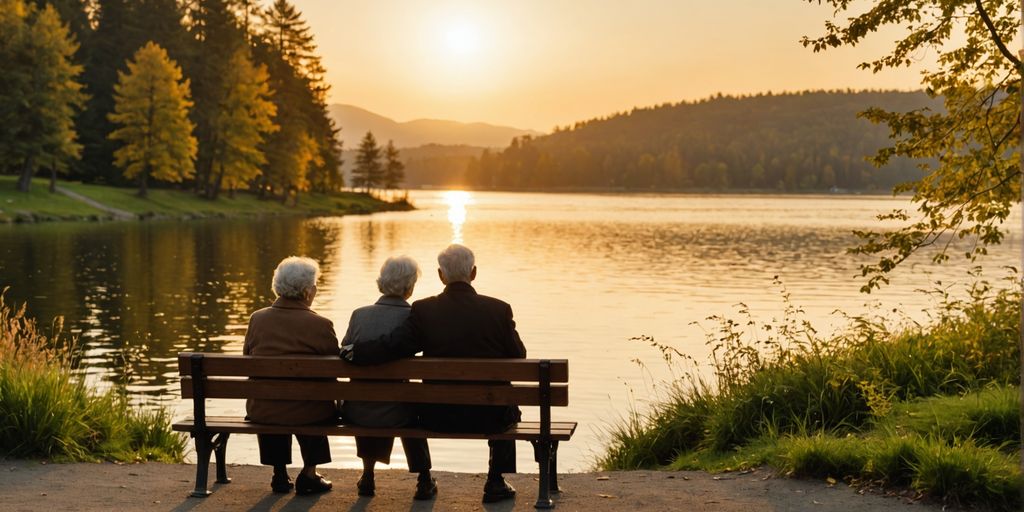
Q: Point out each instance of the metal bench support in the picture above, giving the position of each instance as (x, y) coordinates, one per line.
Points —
(203, 439)
(543, 444)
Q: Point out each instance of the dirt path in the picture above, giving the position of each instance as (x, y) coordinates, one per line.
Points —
(32, 485)
(120, 214)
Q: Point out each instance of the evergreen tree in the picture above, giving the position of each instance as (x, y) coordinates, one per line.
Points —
(242, 120)
(121, 27)
(394, 170)
(286, 45)
(38, 91)
(216, 38)
(367, 173)
(151, 110)
(292, 165)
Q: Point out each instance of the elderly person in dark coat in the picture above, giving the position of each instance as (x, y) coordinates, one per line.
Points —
(290, 327)
(457, 323)
(396, 282)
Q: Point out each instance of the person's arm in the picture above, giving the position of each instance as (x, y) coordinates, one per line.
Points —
(516, 343)
(327, 342)
(350, 332)
(250, 339)
(400, 343)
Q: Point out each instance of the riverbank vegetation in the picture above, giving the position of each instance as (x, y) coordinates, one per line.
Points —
(933, 408)
(40, 205)
(48, 410)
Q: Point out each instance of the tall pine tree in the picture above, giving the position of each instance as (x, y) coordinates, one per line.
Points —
(151, 110)
(38, 91)
(394, 170)
(241, 121)
(121, 27)
(368, 170)
(286, 45)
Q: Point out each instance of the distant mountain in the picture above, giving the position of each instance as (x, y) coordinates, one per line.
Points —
(355, 122)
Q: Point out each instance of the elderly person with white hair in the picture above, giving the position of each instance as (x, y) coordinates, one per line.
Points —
(289, 326)
(459, 322)
(396, 282)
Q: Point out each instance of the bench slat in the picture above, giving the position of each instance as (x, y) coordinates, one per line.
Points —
(229, 365)
(522, 431)
(413, 392)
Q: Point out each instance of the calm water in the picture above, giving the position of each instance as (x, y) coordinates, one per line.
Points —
(584, 274)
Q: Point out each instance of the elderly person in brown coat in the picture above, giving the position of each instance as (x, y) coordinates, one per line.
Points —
(290, 327)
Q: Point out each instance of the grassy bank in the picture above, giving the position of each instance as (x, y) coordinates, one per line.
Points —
(40, 205)
(932, 408)
(47, 410)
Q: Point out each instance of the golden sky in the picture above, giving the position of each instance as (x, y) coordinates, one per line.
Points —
(540, 63)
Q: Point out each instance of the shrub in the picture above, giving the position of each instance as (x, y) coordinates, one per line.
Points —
(47, 410)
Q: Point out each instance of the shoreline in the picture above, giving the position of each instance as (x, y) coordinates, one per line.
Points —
(79, 202)
(39, 485)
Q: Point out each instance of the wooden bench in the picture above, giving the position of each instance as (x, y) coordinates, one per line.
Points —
(523, 382)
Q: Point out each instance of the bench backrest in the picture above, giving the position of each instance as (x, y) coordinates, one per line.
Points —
(540, 382)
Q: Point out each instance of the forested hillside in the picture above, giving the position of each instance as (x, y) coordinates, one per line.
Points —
(809, 141)
(215, 95)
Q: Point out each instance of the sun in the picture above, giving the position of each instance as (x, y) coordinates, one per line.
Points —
(461, 39)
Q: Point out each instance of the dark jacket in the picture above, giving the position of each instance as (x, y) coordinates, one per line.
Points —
(289, 327)
(371, 322)
(457, 323)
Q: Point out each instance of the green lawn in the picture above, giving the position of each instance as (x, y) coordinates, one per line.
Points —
(167, 203)
(39, 203)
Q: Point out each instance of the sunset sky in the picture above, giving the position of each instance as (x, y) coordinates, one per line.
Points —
(540, 63)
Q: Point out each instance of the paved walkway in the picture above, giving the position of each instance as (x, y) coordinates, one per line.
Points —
(33, 486)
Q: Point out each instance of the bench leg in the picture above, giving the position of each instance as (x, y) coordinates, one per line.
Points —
(554, 468)
(543, 453)
(220, 450)
(204, 446)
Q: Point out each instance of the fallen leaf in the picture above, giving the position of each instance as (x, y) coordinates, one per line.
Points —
(603, 478)
(607, 496)
(831, 481)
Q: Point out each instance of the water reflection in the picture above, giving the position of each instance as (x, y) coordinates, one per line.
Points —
(138, 293)
(584, 273)
(457, 201)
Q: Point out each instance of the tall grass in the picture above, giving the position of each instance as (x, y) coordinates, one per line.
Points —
(816, 398)
(47, 410)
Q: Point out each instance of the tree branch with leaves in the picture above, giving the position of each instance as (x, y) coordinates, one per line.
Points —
(967, 147)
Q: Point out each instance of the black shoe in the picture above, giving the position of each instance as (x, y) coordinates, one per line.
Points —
(306, 485)
(498, 490)
(425, 489)
(366, 487)
(281, 484)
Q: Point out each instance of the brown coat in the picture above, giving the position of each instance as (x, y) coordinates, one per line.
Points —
(289, 327)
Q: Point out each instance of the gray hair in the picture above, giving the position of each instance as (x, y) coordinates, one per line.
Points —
(294, 276)
(456, 263)
(398, 276)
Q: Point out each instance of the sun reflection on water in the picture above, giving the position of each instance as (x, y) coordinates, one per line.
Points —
(457, 201)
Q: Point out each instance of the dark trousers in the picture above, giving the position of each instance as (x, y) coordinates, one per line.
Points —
(417, 453)
(475, 418)
(276, 449)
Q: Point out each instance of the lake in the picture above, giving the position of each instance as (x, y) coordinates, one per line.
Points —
(584, 273)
